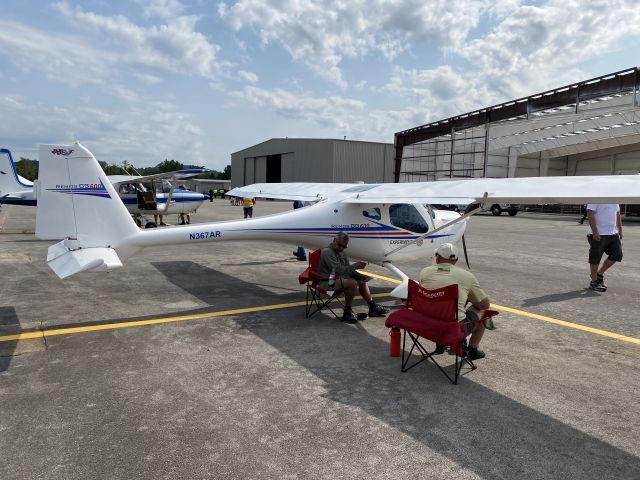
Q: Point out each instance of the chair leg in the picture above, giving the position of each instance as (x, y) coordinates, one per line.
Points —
(416, 345)
(315, 303)
(407, 356)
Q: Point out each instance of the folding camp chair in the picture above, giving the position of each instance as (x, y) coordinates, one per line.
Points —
(433, 315)
(318, 298)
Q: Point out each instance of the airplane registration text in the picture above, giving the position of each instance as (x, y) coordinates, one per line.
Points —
(203, 235)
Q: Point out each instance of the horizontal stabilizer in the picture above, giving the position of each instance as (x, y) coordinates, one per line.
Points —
(65, 262)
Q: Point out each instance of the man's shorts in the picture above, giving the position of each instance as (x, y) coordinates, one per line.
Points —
(342, 282)
(472, 316)
(609, 244)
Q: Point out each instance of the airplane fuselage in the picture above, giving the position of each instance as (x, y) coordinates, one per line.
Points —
(181, 201)
(375, 231)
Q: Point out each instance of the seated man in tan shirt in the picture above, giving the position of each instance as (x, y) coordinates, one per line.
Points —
(445, 272)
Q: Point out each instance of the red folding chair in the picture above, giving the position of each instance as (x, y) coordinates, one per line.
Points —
(433, 315)
(318, 298)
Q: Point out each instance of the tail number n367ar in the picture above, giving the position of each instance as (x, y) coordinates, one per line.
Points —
(203, 235)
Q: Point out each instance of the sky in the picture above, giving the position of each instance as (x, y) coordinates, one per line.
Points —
(148, 80)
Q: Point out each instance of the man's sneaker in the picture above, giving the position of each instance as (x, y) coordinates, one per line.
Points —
(376, 310)
(600, 280)
(348, 316)
(475, 354)
(594, 285)
(440, 349)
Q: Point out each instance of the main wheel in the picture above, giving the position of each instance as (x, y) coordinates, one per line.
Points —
(150, 225)
(513, 213)
(496, 210)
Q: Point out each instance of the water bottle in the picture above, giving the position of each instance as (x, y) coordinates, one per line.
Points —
(331, 283)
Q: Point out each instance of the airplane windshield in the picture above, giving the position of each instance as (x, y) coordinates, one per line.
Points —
(406, 216)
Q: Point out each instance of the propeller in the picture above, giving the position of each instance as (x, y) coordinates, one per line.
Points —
(464, 249)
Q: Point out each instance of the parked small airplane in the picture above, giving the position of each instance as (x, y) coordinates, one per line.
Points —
(142, 195)
(386, 222)
(14, 189)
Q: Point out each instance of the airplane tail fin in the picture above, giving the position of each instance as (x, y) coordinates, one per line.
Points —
(10, 181)
(76, 202)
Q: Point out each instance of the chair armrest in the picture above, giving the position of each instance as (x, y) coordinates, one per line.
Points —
(446, 333)
(304, 277)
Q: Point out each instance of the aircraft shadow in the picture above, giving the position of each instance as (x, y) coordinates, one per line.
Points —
(477, 428)
(559, 297)
(9, 324)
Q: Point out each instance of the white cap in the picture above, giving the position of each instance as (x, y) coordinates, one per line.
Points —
(447, 251)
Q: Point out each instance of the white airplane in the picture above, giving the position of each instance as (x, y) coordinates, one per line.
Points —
(386, 222)
(14, 189)
(156, 195)
(142, 195)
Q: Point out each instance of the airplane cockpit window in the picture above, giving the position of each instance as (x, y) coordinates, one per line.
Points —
(406, 216)
(372, 213)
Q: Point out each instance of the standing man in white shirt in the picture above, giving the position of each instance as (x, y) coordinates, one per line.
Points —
(604, 235)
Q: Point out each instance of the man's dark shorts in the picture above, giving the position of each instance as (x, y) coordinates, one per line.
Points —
(609, 244)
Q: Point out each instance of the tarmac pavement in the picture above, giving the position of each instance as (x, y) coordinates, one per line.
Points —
(270, 394)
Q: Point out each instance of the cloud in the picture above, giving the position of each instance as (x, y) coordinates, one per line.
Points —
(161, 8)
(174, 47)
(63, 58)
(248, 76)
(144, 135)
(337, 115)
(529, 50)
(321, 34)
(147, 79)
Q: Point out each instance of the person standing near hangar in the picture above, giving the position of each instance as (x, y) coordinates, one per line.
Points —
(605, 236)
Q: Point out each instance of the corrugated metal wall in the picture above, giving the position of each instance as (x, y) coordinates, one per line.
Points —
(315, 160)
(362, 161)
(610, 161)
(249, 170)
(260, 170)
(308, 160)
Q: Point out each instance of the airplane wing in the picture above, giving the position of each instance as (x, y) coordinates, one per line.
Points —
(177, 175)
(310, 192)
(570, 190)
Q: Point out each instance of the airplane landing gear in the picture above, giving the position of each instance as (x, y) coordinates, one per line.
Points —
(142, 220)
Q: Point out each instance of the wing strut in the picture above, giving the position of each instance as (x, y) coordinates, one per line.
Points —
(442, 227)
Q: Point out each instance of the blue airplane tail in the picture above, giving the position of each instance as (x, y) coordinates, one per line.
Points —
(12, 185)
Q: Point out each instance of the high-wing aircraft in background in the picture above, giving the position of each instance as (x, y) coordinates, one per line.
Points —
(386, 222)
(142, 195)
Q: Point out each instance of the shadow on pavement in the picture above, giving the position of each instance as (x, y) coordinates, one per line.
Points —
(477, 428)
(9, 323)
(560, 297)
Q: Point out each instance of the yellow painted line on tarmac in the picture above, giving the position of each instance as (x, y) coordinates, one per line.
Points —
(381, 277)
(157, 321)
(153, 321)
(564, 323)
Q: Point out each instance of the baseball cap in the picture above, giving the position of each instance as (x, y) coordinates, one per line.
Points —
(448, 251)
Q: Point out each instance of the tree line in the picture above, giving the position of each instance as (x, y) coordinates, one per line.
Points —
(28, 169)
